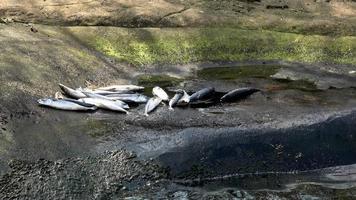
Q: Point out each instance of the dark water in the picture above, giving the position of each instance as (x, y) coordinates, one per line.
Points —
(206, 154)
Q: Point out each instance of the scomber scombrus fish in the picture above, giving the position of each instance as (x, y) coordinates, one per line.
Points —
(63, 104)
(121, 88)
(71, 92)
(152, 104)
(106, 104)
(173, 102)
(159, 92)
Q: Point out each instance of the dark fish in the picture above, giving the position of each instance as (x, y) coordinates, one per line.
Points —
(205, 93)
(184, 100)
(238, 94)
(173, 102)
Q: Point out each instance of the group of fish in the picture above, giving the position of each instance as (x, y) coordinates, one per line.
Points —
(118, 97)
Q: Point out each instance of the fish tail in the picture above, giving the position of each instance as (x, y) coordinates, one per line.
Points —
(170, 108)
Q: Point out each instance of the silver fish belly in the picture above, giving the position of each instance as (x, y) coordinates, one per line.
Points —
(63, 104)
(173, 102)
(121, 88)
(104, 103)
(98, 96)
(93, 95)
(152, 104)
(71, 92)
(129, 98)
(159, 92)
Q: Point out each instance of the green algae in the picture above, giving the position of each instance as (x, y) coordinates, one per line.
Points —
(145, 46)
(303, 85)
(230, 73)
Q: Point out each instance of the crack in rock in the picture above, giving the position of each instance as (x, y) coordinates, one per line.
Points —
(171, 14)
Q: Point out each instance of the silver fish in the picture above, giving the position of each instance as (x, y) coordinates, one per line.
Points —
(128, 98)
(98, 96)
(152, 104)
(173, 102)
(184, 100)
(121, 88)
(64, 104)
(103, 92)
(71, 92)
(159, 92)
(104, 103)
(93, 95)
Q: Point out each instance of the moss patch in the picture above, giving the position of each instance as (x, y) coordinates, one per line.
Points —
(303, 85)
(182, 45)
(231, 73)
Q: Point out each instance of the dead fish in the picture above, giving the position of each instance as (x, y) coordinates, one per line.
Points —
(64, 104)
(238, 94)
(104, 103)
(159, 92)
(93, 95)
(122, 88)
(103, 92)
(129, 98)
(152, 104)
(184, 100)
(71, 92)
(202, 94)
(78, 102)
(98, 96)
(173, 102)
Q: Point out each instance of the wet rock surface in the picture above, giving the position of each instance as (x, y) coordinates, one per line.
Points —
(110, 175)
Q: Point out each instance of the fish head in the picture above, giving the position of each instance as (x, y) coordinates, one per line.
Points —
(45, 101)
(63, 87)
